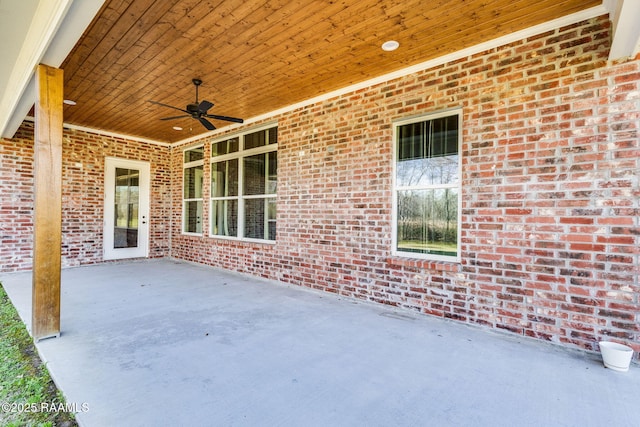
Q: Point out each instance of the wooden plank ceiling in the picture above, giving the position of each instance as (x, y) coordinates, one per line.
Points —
(258, 56)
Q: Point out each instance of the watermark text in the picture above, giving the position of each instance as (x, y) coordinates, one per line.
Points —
(49, 407)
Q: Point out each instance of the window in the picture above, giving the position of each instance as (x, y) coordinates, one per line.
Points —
(243, 185)
(427, 187)
(192, 194)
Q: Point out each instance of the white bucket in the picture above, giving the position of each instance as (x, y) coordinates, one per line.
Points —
(616, 356)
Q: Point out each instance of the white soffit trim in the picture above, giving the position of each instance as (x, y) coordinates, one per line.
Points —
(500, 41)
(116, 135)
(107, 133)
(45, 22)
(626, 28)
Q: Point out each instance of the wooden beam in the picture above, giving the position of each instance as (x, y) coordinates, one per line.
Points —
(47, 241)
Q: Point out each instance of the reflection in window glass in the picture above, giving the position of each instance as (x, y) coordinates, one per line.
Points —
(428, 153)
(260, 218)
(194, 154)
(272, 176)
(224, 178)
(192, 190)
(254, 218)
(254, 174)
(126, 208)
(428, 221)
(271, 219)
(429, 171)
(254, 140)
(193, 182)
(193, 216)
(427, 185)
(224, 217)
(224, 147)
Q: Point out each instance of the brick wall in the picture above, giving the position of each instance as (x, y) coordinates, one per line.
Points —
(550, 211)
(16, 201)
(82, 196)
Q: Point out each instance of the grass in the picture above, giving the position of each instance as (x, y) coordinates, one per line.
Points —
(435, 247)
(25, 383)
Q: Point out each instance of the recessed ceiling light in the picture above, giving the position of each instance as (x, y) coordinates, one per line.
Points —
(69, 102)
(390, 45)
(177, 128)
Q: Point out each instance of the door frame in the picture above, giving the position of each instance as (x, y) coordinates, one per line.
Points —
(144, 183)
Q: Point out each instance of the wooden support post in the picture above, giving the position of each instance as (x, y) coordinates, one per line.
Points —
(47, 224)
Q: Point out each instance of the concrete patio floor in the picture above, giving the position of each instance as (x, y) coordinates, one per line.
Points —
(166, 343)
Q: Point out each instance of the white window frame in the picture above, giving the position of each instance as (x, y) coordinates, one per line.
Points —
(240, 155)
(396, 189)
(186, 166)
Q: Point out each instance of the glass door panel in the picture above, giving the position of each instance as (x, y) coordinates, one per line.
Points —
(125, 231)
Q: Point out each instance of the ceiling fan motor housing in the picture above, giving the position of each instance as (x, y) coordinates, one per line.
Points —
(193, 109)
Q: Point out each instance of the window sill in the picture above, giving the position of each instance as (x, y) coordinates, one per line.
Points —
(424, 264)
(242, 240)
(185, 233)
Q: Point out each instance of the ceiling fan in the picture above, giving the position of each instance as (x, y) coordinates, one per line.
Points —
(198, 111)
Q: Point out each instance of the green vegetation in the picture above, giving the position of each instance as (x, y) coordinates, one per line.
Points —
(25, 384)
(431, 247)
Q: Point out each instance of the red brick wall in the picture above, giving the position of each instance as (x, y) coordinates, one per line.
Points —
(16, 201)
(551, 170)
(82, 199)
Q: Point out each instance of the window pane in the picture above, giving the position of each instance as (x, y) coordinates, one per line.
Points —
(224, 147)
(271, 220)
(254, 174)
(224, 178)
(261, 138)
(254, 218)
(126, 198)
(125, 233)
(256, 139)
(427, 171)
(224, 218)
(193, 216)
(273, 136)
(193, 182)
(272, 183)
(194, 154)
(428, 221)
(428, 152)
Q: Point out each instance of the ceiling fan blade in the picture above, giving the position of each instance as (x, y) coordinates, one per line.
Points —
(174, 117)
(170, 106)
(227, 118)
(206, 123)
(204, 106)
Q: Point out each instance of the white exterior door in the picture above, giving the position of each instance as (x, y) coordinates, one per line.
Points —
(126, 209)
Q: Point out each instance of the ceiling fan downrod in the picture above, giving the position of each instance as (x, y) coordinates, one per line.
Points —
(197, 82)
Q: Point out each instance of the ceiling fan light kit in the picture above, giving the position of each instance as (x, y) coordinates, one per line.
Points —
(199, 111)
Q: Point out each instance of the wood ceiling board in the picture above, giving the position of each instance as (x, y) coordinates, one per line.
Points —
(259, 56)
(113, 55)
